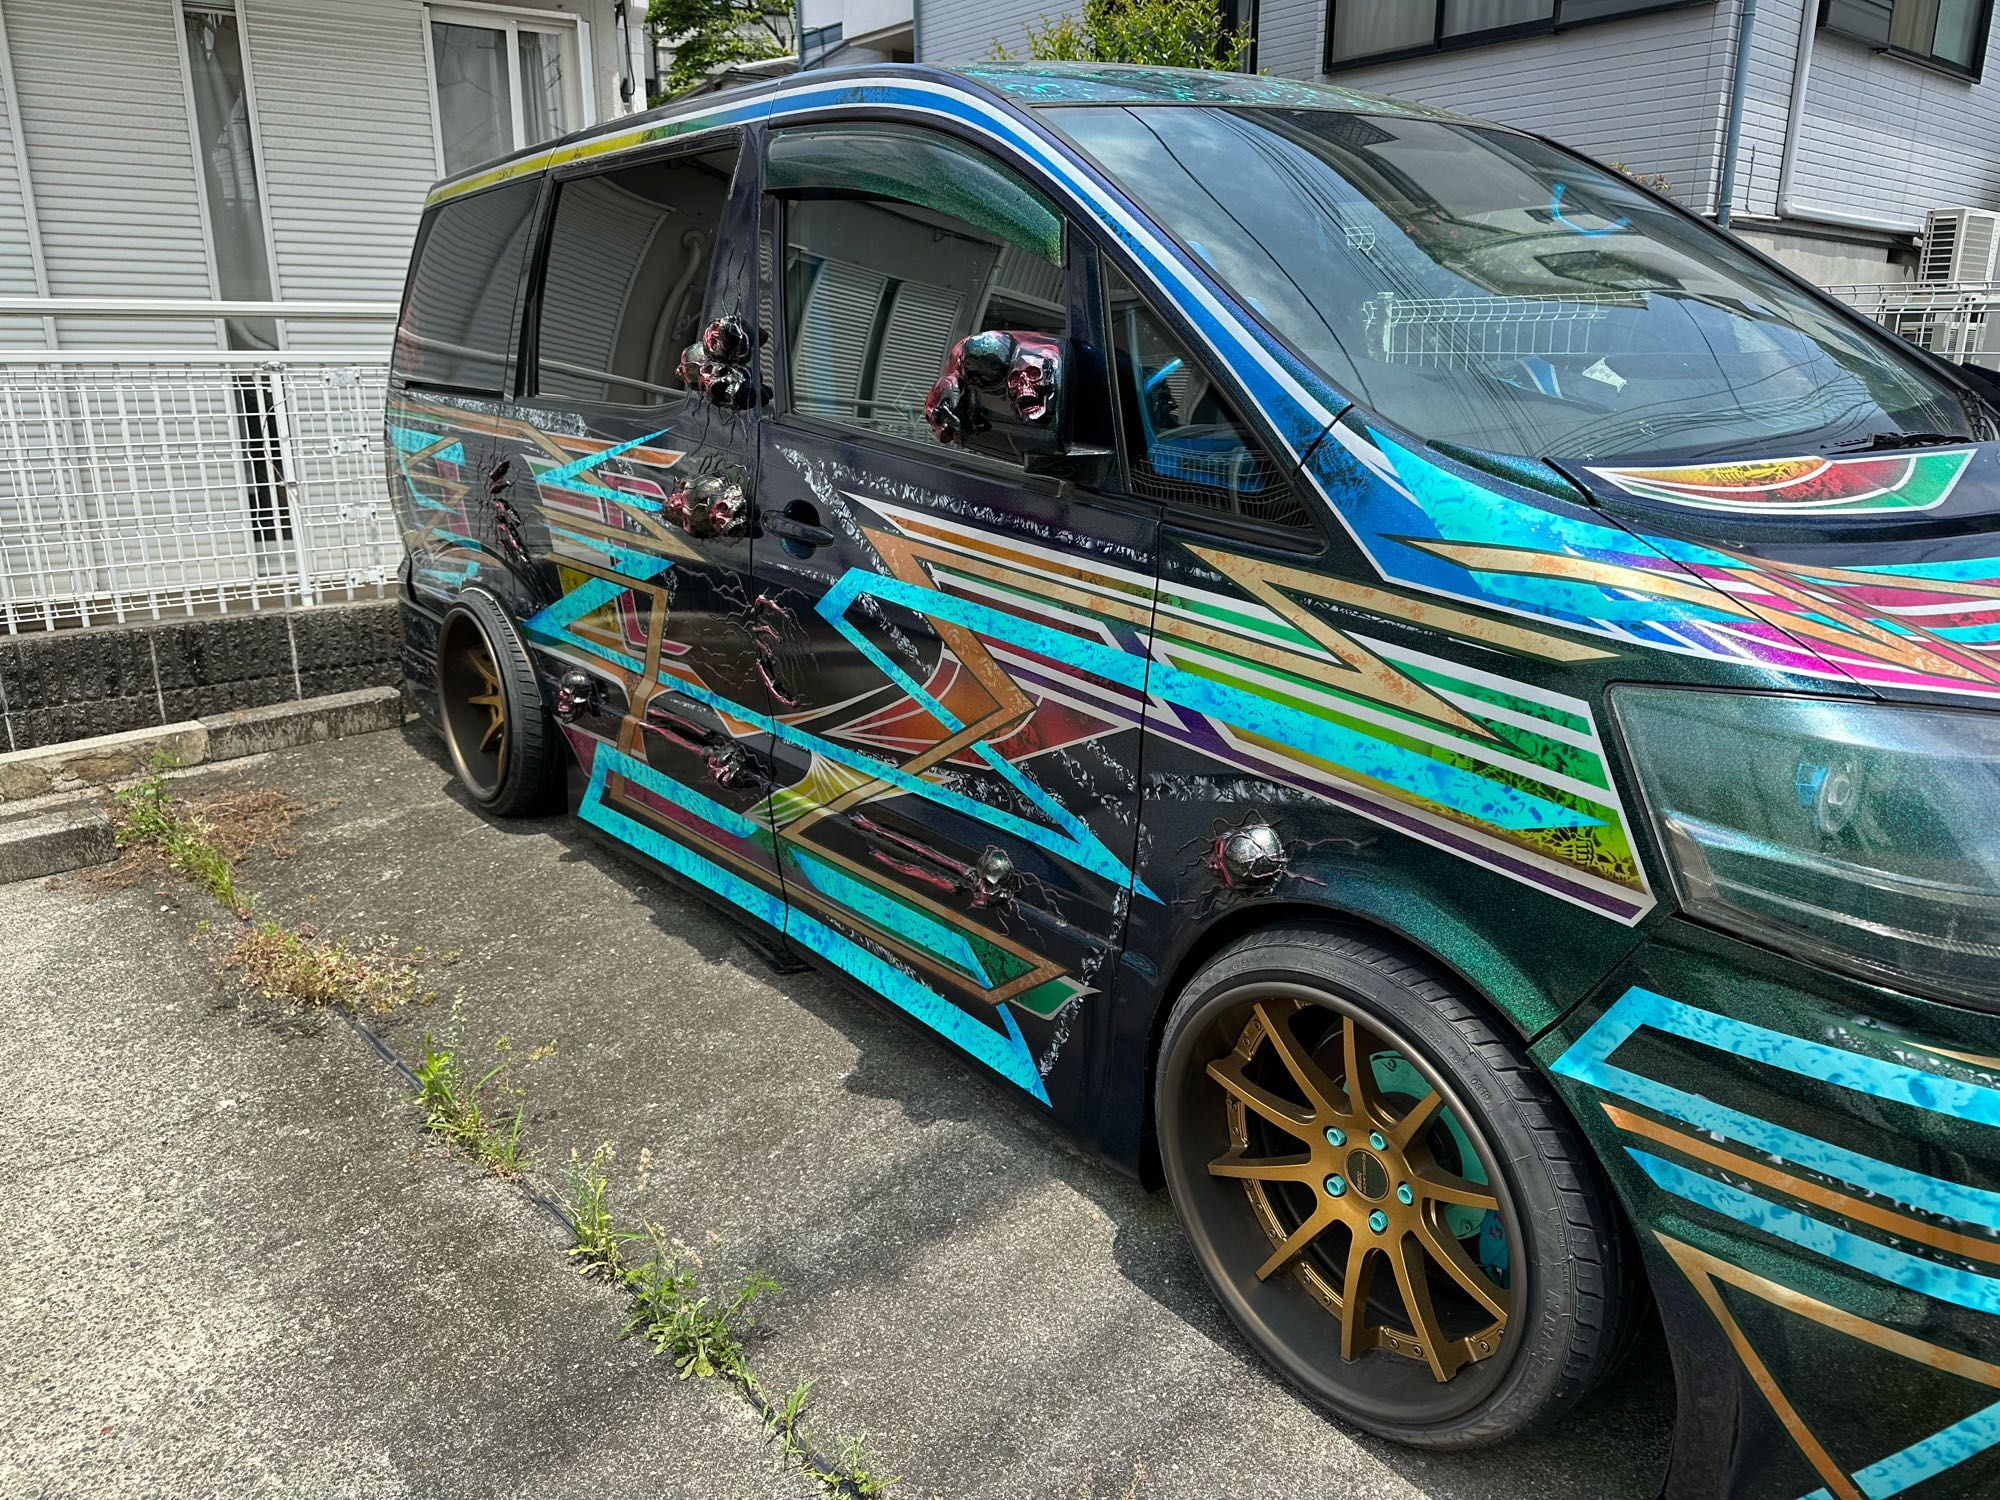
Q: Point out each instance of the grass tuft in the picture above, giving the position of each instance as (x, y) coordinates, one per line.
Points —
(151, 819)
(465, 1107)
(600, 1243)
(296, 968)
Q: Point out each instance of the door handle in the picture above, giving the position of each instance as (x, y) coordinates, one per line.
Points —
(803, 530)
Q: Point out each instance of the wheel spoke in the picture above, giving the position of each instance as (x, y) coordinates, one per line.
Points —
(1295, 1119)
(1354, 1290)
(1445, 1188)
(1319, 1090)
(1270, 1169)
(1410, 1261)
(492, 733)
(1361, 1100)
(1412, 1124)
(1447, 1252)
(1321, 1217)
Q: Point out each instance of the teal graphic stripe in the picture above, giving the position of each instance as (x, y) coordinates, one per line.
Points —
(685, 797)
(569, 476)
(882, 910)
(1588, 1060)
(415, 440)
(1006, 1052)
(671, 852)
(1926, 1460)
(1927, 1278)
(641, 565)
(1463, 791)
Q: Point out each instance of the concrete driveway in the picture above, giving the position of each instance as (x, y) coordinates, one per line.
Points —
(236, 1265)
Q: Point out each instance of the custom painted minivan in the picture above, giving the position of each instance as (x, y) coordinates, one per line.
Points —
(1384, 676)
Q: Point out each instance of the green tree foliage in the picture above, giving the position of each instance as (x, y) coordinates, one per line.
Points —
(709, 35)
(1158, 33)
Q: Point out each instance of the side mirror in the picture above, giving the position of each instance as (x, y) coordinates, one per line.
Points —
(1009, 383)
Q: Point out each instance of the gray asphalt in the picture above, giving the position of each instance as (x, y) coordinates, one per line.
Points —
(234, 1266)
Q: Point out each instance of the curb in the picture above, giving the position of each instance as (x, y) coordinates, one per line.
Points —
(54, 843)
(34, 842)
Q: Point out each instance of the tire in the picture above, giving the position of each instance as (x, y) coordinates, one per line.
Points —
(502, 741)
(1550, 1253)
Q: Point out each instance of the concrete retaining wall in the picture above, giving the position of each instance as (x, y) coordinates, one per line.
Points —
(78, 684)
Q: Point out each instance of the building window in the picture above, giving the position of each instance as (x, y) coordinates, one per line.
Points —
(1948, 34)
(501, 83)
(817, 39)
(1239, 18)
(1366, 31)
(626, 280)
(226, 155)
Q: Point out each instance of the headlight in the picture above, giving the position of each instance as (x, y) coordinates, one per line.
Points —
(1865, 833)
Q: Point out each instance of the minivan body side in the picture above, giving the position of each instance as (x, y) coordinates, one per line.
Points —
(1398, 717)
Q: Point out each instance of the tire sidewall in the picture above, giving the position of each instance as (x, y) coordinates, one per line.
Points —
(528, 784)
(1543, 1293)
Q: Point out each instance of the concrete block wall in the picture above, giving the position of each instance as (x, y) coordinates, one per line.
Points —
(74, 684)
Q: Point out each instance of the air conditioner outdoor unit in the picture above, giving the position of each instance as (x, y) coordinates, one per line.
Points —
(1960, 244)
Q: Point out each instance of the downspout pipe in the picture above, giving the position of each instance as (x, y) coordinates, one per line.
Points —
(1788, 160)
(1739, 86)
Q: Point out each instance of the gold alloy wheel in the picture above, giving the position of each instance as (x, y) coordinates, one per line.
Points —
(494, 741)
(474, 704)
(1367, 1193)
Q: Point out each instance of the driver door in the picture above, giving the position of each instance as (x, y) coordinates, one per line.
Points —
(955, 646)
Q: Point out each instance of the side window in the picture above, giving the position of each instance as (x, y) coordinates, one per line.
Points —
(1185, 444)
(897, 244)
(627, 277)
(458, 315)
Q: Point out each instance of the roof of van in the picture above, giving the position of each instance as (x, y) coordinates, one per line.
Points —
(1051, 83)
(1033, 85)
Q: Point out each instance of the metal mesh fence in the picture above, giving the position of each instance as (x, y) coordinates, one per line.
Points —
(138, 487)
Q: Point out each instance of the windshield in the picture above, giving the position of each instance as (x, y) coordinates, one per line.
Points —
(1477, 287)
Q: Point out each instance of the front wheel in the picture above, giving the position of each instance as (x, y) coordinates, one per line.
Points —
(1385, 1195)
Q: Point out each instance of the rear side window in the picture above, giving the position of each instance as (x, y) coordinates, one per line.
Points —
(458, 316)
(627, 277)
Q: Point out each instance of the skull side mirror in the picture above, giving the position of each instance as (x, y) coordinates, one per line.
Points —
(1009, 383)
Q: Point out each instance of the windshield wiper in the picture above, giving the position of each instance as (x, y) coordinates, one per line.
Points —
(1908, 440)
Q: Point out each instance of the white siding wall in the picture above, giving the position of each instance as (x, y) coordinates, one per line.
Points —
(1646, 91)
(17, 253)
(1886, 137)
(343, 105)
(104, 113)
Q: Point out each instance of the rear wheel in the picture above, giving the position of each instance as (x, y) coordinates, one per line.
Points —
(1385, 1195)
(499, 735)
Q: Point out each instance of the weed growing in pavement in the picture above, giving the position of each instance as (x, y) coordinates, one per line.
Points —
(700, 1333)
(151, 818)
(294, 967)
(464, 1107)
(599, 1243)
(853, 1477)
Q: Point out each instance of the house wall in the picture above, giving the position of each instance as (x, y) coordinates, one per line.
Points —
(346, 150)
(1647, 91)
(1880, 137)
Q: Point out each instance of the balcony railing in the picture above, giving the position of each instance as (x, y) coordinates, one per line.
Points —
(1959, 320)
(143, 482)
